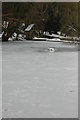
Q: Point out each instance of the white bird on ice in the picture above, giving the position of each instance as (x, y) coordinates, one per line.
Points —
(51, 49)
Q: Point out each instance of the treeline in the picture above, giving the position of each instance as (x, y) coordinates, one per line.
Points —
(48, 16)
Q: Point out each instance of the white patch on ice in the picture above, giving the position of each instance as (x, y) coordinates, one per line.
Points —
(68, 68)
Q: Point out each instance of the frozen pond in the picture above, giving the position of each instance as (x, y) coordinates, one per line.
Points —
(39, 83)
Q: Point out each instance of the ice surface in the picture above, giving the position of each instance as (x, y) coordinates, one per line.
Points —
(0, 80)
(38, 83)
